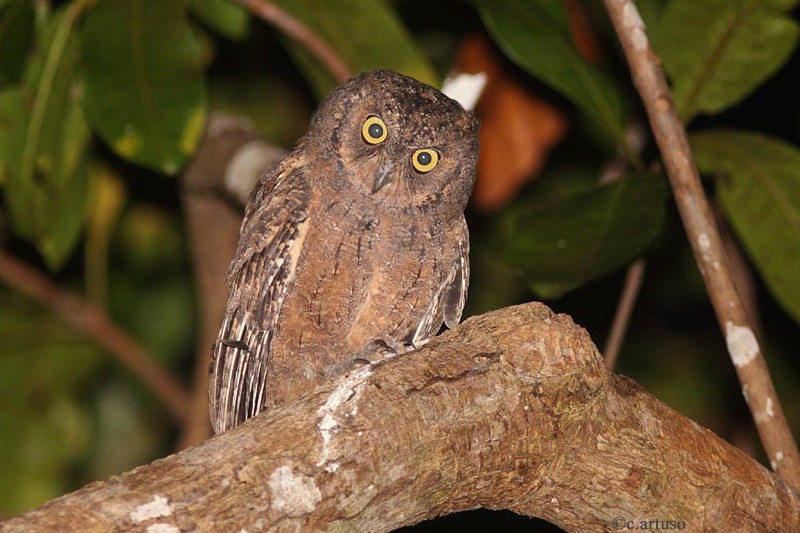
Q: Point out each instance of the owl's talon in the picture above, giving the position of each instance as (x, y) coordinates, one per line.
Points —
(377, 350)
(407, 347)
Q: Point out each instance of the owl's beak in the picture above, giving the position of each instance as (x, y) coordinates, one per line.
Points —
(382, 177)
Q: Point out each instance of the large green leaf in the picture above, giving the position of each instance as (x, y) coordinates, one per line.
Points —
(717, 51)
(12, 116)
(44, 141)
(69, 209)
(560, 245)
(759, 190)
(145, 93)
(16, 37)
(535, 35)
(367, 34)
(223, 16)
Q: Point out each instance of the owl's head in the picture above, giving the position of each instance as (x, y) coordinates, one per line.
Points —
(399, 141)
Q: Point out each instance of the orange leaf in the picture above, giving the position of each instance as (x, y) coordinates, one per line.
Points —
(580, 27)
(518, 129)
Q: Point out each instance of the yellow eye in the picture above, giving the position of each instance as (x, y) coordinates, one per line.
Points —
(425, 160)
(374, 130)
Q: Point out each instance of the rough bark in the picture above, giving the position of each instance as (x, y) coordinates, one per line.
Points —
(511, 410)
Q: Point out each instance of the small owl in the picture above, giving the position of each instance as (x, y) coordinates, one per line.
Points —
(354, 242)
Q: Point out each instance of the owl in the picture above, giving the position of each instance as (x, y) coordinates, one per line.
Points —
(354, 242)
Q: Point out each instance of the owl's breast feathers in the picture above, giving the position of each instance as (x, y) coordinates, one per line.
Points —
(317, 279)
(378, 274)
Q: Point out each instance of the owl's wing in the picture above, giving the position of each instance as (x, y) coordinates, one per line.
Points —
(448, 301)
(271, 238)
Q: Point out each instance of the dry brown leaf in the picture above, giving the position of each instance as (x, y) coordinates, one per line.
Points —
(580, 28)
(518, 130)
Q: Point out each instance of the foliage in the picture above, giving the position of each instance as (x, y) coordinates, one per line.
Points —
(103, 101)
(759, 189)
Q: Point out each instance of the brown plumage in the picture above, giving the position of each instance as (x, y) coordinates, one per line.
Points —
(355, 242)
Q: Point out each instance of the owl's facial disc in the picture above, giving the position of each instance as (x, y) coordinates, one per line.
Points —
(374, 131)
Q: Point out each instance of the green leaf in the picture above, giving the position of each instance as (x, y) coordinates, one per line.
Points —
(145, 93)
(367, 34)
(759, 190)
(12, 116)
(535, 35)
(561, 245)
(67, 208)
(45, 370)
(223, 16)
(44, 141)
(16, 36)
(716, 52)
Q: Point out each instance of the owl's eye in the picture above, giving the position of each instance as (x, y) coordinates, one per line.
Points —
(374, 130)
(425, 160)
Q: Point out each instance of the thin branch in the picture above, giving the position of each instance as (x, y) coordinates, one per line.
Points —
(90, 320)
(301, 33)
(627, 300)
(741, 270)
(705, 240)
(634, 274)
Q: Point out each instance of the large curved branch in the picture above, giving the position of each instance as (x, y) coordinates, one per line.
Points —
(511, 410)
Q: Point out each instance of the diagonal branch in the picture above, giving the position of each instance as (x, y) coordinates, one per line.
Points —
(90, 320)
(634, 276)
(510, 410)
(705, 240)
(302, 34)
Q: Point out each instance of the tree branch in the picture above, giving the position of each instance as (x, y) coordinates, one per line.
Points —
(634, 276)
(301, 33)
(705, 240)
(94, 323)
(510, 410)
